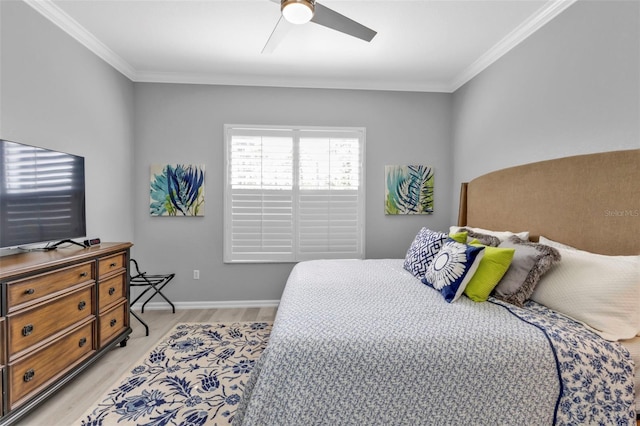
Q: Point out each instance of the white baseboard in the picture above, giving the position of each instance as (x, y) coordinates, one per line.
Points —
(229, 304)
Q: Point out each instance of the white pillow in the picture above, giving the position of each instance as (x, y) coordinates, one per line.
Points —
(551, 243)
(502, 235)
(602, 292)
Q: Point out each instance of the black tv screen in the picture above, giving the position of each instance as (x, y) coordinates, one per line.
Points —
(42, 195)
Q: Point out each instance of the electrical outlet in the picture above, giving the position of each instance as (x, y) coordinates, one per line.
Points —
(196, 274)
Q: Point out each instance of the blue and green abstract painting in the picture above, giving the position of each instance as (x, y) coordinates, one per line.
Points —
(409, 190)
(177, 190)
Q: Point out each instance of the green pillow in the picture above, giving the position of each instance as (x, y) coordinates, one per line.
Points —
(460, 237)
(492, 268)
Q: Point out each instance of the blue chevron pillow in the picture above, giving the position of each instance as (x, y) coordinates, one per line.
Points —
(423, 249)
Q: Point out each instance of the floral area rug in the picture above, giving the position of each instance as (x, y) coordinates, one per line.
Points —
(194, 376)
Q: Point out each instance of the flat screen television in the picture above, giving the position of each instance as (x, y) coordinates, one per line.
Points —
(42, 195)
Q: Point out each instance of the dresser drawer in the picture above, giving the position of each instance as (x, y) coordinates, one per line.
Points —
(112, 290)
(31, 326)
(111, 264)
(113, 322)
(31, 372)
(3, 350)
(37, 288)
(3, 342)
(2, 370)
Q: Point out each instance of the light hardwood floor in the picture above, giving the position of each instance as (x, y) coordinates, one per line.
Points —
(75, 398)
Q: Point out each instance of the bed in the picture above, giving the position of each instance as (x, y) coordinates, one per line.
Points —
(384, 341)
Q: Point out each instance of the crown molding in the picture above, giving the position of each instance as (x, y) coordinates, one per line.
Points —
(272, 81)
(69, 25)
(56, 15)
(536, 21)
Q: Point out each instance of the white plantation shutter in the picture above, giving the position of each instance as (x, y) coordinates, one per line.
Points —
(293, 194)
(260, 196)
(329, 196)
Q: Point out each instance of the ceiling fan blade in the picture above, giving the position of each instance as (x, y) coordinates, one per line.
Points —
(331, 19)
(279, 32)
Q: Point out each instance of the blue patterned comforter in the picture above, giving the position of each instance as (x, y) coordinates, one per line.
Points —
(365, 343)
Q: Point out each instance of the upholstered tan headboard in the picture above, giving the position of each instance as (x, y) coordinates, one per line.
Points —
(591, 202)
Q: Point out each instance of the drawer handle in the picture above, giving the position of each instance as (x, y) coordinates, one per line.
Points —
(28, 375)
(113, 265)
(27, 330)
(82, 342)
(84, 274)
(112, 322)
(111, 291)
(30, 291)
(82, 305)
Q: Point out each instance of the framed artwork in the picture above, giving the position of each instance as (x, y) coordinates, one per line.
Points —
(177, 190)
(408, 190)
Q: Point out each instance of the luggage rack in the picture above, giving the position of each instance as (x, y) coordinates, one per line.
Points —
(152, 282)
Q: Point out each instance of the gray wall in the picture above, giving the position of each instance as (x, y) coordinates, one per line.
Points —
(184, 123)
(56, 94)
(571, 88)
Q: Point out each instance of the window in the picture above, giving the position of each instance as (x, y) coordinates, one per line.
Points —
(293, 194)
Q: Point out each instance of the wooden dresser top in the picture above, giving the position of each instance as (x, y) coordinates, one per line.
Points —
(27, 262)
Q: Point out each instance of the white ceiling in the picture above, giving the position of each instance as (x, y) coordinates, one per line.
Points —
(421, 45)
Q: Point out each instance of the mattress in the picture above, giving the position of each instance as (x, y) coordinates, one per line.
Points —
(365, 342)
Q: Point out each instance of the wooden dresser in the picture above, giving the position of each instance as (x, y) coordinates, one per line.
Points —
(60, 311)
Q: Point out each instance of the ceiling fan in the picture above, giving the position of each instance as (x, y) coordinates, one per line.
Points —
(297, 12)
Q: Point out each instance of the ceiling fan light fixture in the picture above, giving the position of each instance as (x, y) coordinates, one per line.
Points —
(297, 11)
